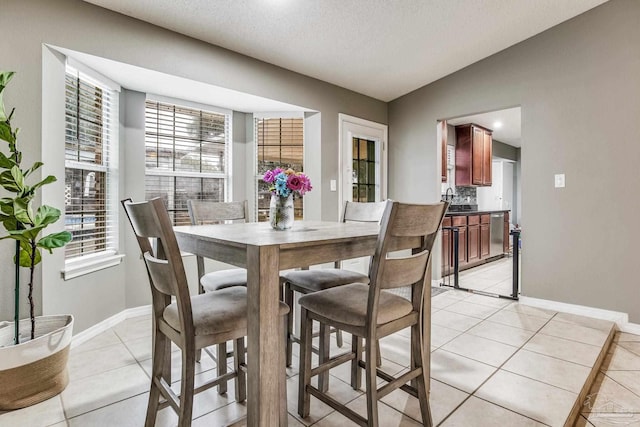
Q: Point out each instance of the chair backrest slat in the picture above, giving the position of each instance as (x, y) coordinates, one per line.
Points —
(161, 275)
(208, 212)
(363, 212)
(143, 220)
(404, 271)
(415, 221)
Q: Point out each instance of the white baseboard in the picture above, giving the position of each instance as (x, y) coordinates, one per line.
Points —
(108, 323)
(630, 328)
(614, 316)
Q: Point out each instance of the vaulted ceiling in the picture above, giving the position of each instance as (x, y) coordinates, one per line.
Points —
(380, 48)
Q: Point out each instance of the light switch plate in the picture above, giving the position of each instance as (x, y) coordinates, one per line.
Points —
(333, 185)
(559, 180)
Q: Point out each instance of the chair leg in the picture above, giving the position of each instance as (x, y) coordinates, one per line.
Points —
(324, 348)
(288, 299)
(378, 354)
(241, 379)
(421, 381)
(372, 390)
(339, 338)
(222, 366)
(304, 398)
(186, 386)
(356, 371)
(283, 375)
(159, 342)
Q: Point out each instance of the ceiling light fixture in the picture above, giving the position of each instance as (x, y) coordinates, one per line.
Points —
(497, 125)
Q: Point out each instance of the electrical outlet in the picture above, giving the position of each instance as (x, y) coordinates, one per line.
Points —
(333, 185)
(559, 180)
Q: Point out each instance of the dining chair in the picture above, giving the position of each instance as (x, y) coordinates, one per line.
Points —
(202, 212)
(309, 281)
(373, 312)
(191, 323)
(207, 212)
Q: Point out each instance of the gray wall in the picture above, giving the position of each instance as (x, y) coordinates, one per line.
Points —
(573, 82)
(77, 25)
(504, 151)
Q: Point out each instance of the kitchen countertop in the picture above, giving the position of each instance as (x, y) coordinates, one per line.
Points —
(477, 212)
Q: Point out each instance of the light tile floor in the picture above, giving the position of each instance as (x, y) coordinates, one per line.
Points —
(494, 363)
(493, 277)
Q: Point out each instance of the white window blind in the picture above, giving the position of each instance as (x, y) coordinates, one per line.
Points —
(187, 153)
(91, 112)
(279, 144)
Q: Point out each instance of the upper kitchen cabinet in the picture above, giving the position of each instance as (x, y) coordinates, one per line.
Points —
(473, 155)
(443, 143)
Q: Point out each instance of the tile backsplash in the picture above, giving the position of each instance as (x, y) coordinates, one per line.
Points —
(464, 196)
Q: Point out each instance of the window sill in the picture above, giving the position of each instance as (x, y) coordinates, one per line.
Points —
(89, 264)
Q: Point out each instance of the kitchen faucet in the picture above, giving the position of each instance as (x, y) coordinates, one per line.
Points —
(446, 194)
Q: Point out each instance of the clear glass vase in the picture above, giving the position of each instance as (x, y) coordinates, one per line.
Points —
(281, 212)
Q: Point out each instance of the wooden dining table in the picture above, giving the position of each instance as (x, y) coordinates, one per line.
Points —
(264, 252)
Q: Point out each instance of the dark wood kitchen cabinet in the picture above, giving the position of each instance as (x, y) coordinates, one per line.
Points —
(474, 152)
(443, 143)
(487, 159)
(474, 244)
(473, 238)
(446, 247)
(485, 236)
(461, 223)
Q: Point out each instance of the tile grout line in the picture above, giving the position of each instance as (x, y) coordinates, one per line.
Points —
(621, 385)
(497, 370)
(109, 370)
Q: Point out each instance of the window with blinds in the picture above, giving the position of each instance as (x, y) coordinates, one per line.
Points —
(90, 142)
(280, 143)
(186, 156)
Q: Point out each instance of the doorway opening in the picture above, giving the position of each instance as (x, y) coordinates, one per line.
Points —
(480, 176)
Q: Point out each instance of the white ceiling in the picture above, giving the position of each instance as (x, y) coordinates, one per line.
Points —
(381, 48)
(510, 130)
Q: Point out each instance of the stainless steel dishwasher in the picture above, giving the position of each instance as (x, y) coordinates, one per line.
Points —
(497, 234)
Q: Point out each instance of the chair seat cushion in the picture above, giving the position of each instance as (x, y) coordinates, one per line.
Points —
(348, 304)
(216, 312)
(217, 280)
(324, 278)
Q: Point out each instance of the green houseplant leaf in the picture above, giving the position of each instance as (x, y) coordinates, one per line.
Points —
(6, 162)
(22, 210)
(46, 215)
(33, 168)
(47, 180)
(55, 240)
(6, 134)
(4, 80)
(25, 256)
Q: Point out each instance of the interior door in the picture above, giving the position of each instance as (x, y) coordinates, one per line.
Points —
(363, 168)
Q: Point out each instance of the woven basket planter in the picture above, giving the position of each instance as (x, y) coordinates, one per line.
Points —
(35, 370)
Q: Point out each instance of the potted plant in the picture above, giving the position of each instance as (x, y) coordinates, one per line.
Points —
(33, 351)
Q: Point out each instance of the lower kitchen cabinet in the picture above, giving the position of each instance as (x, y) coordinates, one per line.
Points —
(461, 223)
(485, 235)
(446, 247)
(473, 238)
